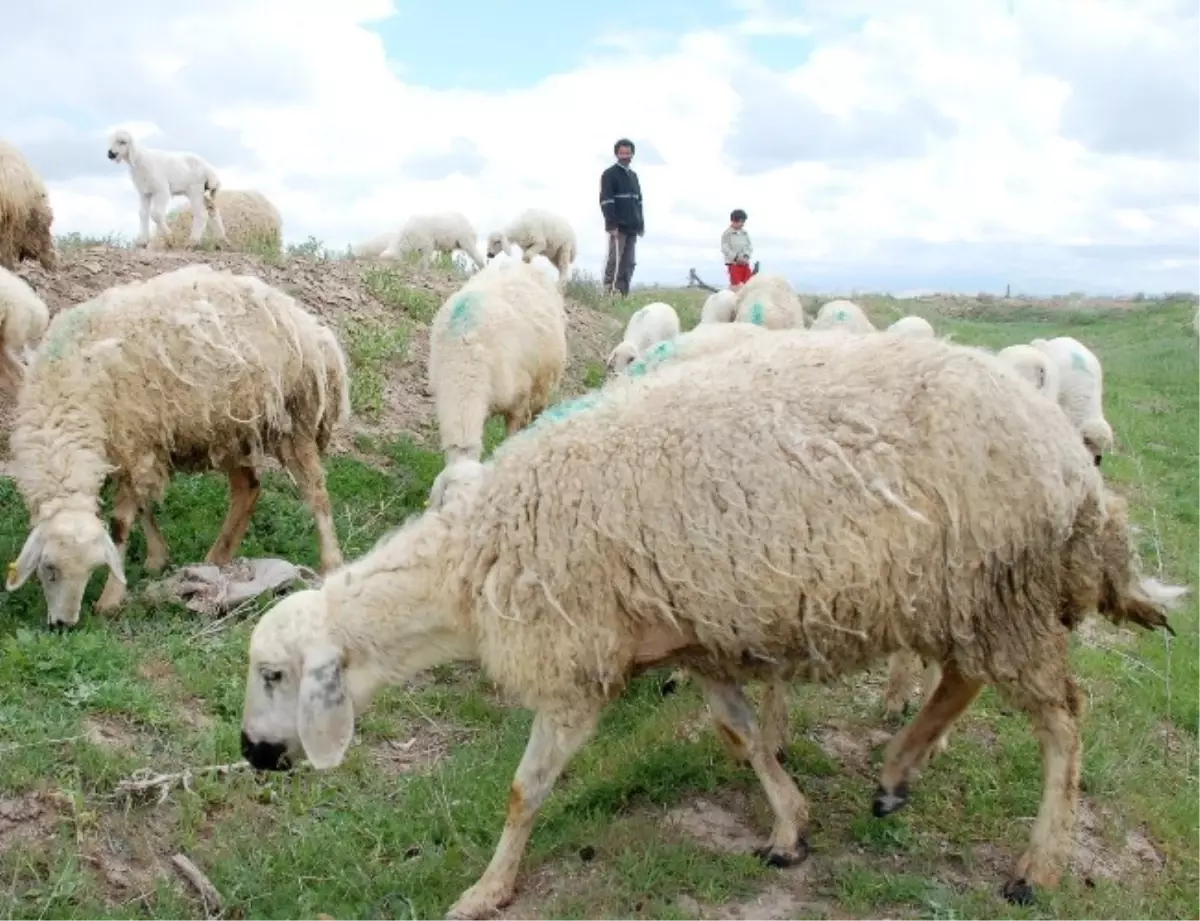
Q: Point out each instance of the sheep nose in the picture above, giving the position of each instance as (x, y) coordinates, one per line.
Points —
(264, 756)
(111, 155)
(1097, 459)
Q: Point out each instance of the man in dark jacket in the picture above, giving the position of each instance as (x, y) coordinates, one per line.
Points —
(621, 204)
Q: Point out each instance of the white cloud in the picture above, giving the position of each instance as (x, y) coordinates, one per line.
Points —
(938, 143)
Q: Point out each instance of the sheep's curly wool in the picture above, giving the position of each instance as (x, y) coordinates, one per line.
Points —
(251, 222)
(770, 301)
(25, 212)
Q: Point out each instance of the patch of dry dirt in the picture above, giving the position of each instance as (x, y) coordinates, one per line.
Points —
(26, 818)
(110, 733)
(1100, 634)
(418, 748)
(1095, 855)
(850, 745)
(715, 827)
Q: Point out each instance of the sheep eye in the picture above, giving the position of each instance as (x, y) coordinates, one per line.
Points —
(271, 676)
(49, 572)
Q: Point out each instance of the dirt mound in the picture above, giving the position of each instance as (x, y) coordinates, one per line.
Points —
(381, 311)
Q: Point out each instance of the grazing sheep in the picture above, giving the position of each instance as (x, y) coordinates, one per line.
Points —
(769, 301)
(1035, 366)
(25, 213)
(542, 233)
(830, 502)
(190, 370)
(250, 221)
(843, 315)
(443, 232)
(912, 326)
(719, 307)
(23, 319)
(159, 174)
(650, 325)
(497, 345)
(375, 246)
(1080, 390)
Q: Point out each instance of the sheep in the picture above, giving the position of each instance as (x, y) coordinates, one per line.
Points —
(770, 301)
(190, 370)
(23, 320)
(25, 213)
(1080, 391)
(651, 324)
(912, 326)
(442, 232)
(542, 233)
(497, 345)
(719, 307)
(1035, 366)
(835, 499)
(843, 315)
(375, 246)
(251, 222)
(463, 473)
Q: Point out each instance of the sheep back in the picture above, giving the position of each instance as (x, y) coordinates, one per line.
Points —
(23, 315)
(252, 223)
(769, 301)
(842, 315)
(25, 212)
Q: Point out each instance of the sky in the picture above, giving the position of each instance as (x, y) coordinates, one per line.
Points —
(877, 145)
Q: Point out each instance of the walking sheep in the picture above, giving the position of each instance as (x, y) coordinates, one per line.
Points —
(443, 232)
(770, 301)
(25, 213)
(911, 326)
(650, 325)
(497, 345)
(542, 233)
(23, 319)
(158, 175)
(1080, 390)
(828, 503)
(250, 221)
(191, 370)
(843, 315)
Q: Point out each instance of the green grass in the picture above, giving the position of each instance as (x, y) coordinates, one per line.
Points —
(371, 348)
(413, 815)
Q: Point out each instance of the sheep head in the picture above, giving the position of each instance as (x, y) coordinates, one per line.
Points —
(496, 244)
(1097, 438)
(120, 143)
(63, 550)
(621, 357)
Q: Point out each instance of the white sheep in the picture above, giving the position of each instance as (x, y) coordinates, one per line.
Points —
(1080, 390)
(190, 370)
(651, 324)
(1035, 366)
(375, 246)
(443, 232)
(719, 307)
(769, 301)
(842, 315)
(497, 345)
(23, 320)
(808, 516)
(159, 174)
(912, 326)
(250, 220)
(539, 233)
(25, 212)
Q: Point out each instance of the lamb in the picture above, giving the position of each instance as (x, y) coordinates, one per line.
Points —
(159, 174)
(251, 222)
(375, 246)
(23, 320)
(1035, 366)
(25, 213)
(843, 315)
(654, 323)
(497, 345)
(441, 232)
(190, 370)
(719, 307)
(912, 326)
(1080, 390)
(833, 500)
(770, 301)
(542, 233)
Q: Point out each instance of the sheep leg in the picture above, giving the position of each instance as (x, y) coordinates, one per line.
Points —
(125, 512)
(214, 214)
(553, 741)
(199, 215)
(911, 746)
(156, 545)
(901, 666)
(773, 717)
(303, 461)
(144, 219)
(244, 488)
(734, 719)
(158, 213)
(12, 373)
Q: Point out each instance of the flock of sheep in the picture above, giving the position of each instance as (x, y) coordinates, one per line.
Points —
(757, 499)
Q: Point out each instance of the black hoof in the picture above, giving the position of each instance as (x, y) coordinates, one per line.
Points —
(668, 687)
(776, 858)
(781, 756)
(1018, 892)
(886, 803)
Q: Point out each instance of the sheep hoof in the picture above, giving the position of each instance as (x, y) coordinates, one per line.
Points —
(668, 687)
(1018, 891)
(777, 857)
(886, 803)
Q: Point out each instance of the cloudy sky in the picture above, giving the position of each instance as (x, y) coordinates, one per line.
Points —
(876, 144)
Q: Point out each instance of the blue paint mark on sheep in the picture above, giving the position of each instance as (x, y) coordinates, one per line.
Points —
(65, 332)
(758, 314)
(463, 315)
(567, 408)
(656, 355)
(1079, 363)
(841, 315)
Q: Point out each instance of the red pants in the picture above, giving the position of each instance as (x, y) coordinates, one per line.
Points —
(739, 273)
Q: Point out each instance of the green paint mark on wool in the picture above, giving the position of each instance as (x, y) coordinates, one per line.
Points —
(1078, 363)
(567, 408)
(758, 314)
(463, 315)
(656, 355)
(65, 332)
(841, 315)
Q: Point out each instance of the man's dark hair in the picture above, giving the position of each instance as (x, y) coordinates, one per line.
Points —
(624, 142)
(737, 214)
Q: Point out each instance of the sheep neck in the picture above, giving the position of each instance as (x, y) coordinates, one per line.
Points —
(61, 462)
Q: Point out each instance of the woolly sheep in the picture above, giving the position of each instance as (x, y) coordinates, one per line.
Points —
(746, 531)
(651, 324)
(23, 319)
(374, 247)
(158, 175)
(1080, 390)
(25, 213)
(464, 473)
(497, 345)
(428, 233)
(190, 370)
(719, 307)
(770, 301)
(842, 315)
(912, 326)
(539, 233)
(251, 222)
(1035, 366)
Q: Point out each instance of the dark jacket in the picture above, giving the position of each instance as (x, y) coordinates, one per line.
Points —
(621, 200)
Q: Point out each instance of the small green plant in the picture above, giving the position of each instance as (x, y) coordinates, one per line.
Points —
(75, 240)
(371, 348)
(391, 289)
(594, 376)
(586, 289)
(312, 248)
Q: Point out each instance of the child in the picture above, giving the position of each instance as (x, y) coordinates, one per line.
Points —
(736, 248)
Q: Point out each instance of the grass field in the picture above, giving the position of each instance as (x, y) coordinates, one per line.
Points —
(651, 820)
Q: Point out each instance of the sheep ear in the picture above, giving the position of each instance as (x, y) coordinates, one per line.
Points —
(608, 362)
(112, 556)
(326, 713)
(23, 567)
